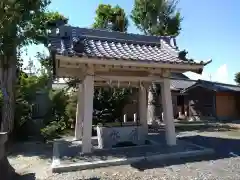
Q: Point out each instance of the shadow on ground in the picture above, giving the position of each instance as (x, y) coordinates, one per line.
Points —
(30, 176)
(223, 148)
(70, 152)
(31, 148)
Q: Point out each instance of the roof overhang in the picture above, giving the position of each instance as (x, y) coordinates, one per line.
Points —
(76, 62)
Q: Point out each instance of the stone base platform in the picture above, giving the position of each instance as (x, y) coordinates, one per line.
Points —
(67, 155)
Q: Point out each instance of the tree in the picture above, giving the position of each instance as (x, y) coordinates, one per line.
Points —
(31, 68)
(107, 17)
(113, 18)
(22, 22)
(156, 17)
(108, 103)
(237, 78)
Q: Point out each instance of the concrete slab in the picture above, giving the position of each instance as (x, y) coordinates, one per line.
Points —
(58, 168)
(71, 159)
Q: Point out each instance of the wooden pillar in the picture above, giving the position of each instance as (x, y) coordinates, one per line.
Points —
(168, 112)
(143, 107)
(79, 113)
(87, 114)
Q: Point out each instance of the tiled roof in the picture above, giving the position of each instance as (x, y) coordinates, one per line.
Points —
(180, 84)
(74, 41)
(175, 75)
(220, 87)
(215, 86)
(228, 87)
(179, 81)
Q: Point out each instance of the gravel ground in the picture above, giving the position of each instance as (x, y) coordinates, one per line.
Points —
(36, 166)
(222, 169)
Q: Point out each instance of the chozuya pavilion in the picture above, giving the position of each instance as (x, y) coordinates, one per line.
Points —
(99, 57)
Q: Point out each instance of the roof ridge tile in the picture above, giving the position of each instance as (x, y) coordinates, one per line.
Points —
(67, 39)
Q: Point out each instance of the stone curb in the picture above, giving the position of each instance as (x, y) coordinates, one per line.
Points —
(58, 168)
(97, 164)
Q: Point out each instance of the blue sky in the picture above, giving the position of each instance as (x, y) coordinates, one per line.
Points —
(210, 30)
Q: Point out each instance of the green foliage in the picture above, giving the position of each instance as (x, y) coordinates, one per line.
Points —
(71, 107)
(59, 100)
(57, 118)
(23, 115)
(46, 64)
(53, 129)
(29, 85)
(22, 22)
(42, 25)
(113, 18)
(26, 90)
(62, 110)
(72, 83)
(161, 18)
(237, 78)
(157, 17)
(1, 99)
(16, 25)
(26, 21)
(108, 104)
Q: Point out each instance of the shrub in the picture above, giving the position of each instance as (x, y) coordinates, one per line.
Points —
(53, 130)
(23, 113)
(71, 108)
(56, 120)
(27, 86)
(56, 112)
(108, 104)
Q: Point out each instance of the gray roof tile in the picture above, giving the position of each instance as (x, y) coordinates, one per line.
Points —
(219, 87)
(74, 41)
(214, 86)
(180, 84)
(116, 50)
(175, 75)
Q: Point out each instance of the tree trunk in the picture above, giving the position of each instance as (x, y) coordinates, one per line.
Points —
(8, 80)
(7, 172)
(50, 80)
